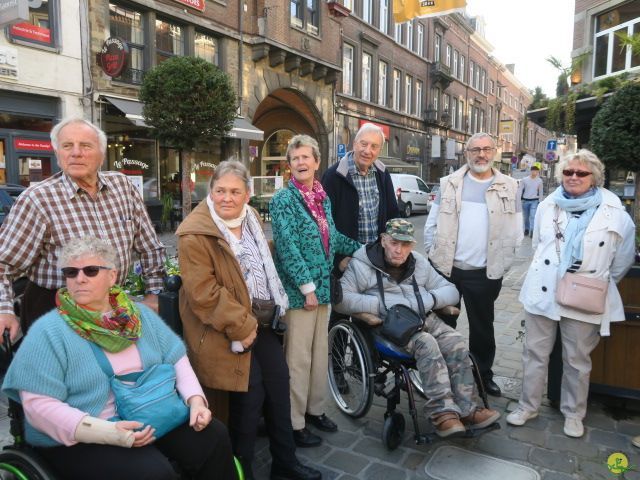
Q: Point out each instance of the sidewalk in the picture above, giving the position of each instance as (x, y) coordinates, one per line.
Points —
(356, 450)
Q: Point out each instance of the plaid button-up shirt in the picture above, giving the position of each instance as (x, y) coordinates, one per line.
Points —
(48, 215)
(368, 202)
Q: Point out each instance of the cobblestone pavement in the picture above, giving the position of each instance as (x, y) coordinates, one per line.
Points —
(356, 451)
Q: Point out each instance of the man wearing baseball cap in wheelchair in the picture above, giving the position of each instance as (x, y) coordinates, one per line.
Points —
(441, 354)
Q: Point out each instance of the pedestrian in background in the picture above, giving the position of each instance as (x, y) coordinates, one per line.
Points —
(306, 241)
(581, 228)
(76, 202)
(471, 236)
(530, 191)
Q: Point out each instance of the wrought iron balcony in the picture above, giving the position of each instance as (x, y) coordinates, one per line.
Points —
(441, 75)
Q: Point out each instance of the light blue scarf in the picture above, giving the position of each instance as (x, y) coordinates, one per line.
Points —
(588, 203)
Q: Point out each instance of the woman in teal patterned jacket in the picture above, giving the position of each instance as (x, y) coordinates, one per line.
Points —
(306, 240)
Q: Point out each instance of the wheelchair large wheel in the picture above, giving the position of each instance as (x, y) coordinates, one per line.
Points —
(393, 430)
(350, 369)
(23, 465)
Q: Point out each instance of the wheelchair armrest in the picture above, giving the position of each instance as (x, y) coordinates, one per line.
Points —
(368, 318)
(448, 310)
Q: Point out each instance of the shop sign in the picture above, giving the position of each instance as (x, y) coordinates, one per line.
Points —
(129, 166)
(385, 128)
(507, 126)
(204, 168)
(32, 145)
(12, 11)
(197, 4)
(113, 56)
(30, 32)
(8, 63)
(413, 150)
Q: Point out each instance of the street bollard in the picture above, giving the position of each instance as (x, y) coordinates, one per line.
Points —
(168, 306)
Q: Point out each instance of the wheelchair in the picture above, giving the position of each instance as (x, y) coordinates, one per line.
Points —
(21, 462)
(360, 364)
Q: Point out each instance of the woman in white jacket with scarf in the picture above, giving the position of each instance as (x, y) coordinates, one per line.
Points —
(584, 229)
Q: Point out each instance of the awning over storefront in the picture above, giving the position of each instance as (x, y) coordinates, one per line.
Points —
(243, 129)
(132, 109)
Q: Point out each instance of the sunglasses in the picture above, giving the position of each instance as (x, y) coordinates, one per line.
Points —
(577, 173)
(89, 271)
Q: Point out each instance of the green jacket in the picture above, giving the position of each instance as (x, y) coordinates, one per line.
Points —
(300, 257)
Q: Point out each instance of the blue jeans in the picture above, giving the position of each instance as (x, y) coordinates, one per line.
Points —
(529, 208)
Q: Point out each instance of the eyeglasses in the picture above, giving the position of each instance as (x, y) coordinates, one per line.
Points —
(89, 271)
(577, 173)
(477, 150)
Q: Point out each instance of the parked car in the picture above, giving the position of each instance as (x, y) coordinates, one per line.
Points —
(411, 192)
(8, 194)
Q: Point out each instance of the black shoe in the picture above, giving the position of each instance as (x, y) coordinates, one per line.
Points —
(297, 471)
(305, 439)
(492, 387)
(321, 422)
(526, 233)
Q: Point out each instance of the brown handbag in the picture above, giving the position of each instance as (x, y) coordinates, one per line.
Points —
(585, 294)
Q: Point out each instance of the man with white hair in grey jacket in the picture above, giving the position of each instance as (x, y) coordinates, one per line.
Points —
(441, 354)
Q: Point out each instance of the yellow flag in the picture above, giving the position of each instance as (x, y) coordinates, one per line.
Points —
(404, 10)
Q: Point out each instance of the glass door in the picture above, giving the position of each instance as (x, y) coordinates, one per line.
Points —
(34, 168)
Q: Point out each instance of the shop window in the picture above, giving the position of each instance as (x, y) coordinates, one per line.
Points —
(33, 169)
(206, 47)
(610, 56)
(204, 164)
(20, 122)
(127, 24)
(135, 157)
(274, 160)
(40, 28)
(169, 41)
(304, 14)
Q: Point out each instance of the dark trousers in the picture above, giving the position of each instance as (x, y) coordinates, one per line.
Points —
(204, 455)
(479, 294)
(36, 302)
(269, 395)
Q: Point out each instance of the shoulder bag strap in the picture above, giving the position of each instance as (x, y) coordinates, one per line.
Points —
(380, 288)
(106, 367)
(423, 314)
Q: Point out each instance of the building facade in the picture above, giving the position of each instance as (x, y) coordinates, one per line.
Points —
(40, 82)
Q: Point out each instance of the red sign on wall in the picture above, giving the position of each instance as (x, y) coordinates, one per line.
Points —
(113, 56)
(197, 4)
(27, 31)
(385, 128)
(32, 145)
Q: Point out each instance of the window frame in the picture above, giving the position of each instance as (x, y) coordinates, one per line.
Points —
(383, 78)
(437, 47)
(366, 81)
(408, 94)
(410, 35)
(397, 89)
(308, 16)
(420, 39)
(54, 29)
(132, 75)
(166, 53)
(447, 55)
(384, 16)
(419, 98)
(348, 72)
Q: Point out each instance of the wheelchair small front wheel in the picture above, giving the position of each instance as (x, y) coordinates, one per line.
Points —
(393, 430)
(350, 369)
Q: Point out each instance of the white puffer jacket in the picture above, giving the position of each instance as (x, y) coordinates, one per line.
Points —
(360, 286)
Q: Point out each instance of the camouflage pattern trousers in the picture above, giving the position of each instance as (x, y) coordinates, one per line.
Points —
(442, 358)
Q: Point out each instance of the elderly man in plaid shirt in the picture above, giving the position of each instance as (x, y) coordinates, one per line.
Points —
(78, 201)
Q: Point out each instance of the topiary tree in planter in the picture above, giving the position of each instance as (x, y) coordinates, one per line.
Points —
(615, 132)
(187, 100)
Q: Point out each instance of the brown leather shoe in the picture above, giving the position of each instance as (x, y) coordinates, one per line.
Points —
(481, 418)
(447, 424)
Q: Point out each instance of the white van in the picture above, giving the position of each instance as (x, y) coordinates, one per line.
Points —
(411, 192)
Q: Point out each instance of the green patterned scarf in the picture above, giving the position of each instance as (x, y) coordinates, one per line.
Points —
(113, 331)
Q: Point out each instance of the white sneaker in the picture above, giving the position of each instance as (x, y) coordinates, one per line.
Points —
(636, 441)
(573, 427)
(520, 416)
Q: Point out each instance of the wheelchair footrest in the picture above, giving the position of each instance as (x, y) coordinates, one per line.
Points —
(422, 439)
